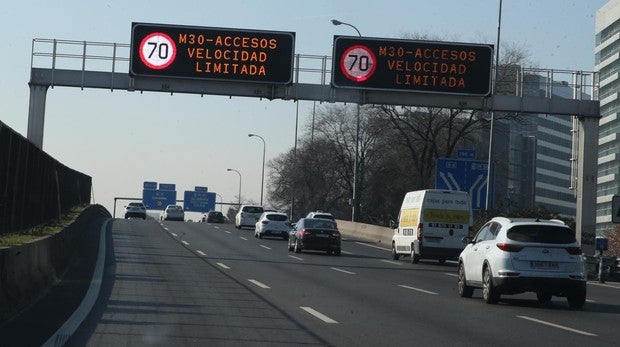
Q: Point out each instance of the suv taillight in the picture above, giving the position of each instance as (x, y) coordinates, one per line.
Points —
(302, 233)
(507, 247)
(265, 222)
(574, 250)
(420, 225)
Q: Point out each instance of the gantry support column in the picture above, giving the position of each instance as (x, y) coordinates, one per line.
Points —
(36, 113)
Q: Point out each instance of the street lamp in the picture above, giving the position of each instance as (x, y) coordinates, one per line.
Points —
(262, 182)
(357, 137)
(238, 173)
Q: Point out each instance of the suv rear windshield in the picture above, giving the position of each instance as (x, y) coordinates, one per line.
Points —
(319, 223)
(541, 234)
(277, 217)
(253, 209)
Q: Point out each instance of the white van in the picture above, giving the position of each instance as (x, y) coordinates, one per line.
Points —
(432, 224)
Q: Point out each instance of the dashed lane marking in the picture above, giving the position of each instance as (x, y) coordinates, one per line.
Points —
(417, 289)
(391, 262)
(373, 246)
(343, 271)
(223, 266)
(581, 332)
(265, 247)
(259, 284)
(200, 252)
(297, 258)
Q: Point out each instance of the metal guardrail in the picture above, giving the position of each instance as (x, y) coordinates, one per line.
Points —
(114, 57)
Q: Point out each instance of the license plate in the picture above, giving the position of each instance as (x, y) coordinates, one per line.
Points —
(321, 235)
(545, 265)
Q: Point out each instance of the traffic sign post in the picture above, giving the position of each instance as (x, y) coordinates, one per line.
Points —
(409, 65)
(162, 50)
(465, 175)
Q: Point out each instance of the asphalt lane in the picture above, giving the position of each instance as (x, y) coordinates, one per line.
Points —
(209, 284)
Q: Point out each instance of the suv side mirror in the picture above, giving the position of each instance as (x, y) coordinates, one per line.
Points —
(393, 224)
(467, 240)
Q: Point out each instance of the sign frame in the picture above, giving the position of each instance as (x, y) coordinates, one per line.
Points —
(239, 49)
(392, 55)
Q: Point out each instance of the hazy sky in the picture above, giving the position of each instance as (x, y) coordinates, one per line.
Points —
(122, 139)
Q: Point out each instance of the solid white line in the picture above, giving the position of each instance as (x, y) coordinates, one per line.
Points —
(61, 336)
(318, 315)
(603, 285)
(294, 257)
(341, 270)
(185, 242)
(418, 289)
(223, 266)
(391, 262)
(264, 286)
(243, 238)
(200, 252)
(557, 326)
(265, 247)
(173, 234)
(373, 246)
(451, 274)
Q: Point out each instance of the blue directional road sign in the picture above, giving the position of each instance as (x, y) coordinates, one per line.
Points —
(158, 199)
(150, 185)
(467, 176)
(167, 186)
(201, 189)
(199, 201)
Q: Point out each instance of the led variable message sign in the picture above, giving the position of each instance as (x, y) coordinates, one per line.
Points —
(211, 53)
(407, 65)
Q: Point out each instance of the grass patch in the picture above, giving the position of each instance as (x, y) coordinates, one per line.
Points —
(50, 228)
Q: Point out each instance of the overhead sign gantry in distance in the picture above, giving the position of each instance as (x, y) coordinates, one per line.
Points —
(162, 50)
(409, 65)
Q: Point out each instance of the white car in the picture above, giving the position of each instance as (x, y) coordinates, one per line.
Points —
(174, 212)
(516, 255)
(248, 215)
(321, 214)
(272, 224)
(135, 209)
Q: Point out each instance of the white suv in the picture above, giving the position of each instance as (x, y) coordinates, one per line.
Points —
(135, 209)
(516, 255)
(248, 215)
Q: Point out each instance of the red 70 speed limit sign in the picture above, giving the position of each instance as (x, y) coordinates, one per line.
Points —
(358, 63)
(157, 51)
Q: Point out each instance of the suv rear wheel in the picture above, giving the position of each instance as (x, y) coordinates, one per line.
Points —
(489, 292)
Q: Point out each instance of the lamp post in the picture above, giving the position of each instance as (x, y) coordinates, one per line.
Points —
(357, 137)
(262, 182)
(238, 173)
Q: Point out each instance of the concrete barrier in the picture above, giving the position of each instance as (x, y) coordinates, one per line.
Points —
(27, 271)
(366, 232)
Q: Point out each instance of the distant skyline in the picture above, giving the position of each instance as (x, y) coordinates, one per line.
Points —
(122, 139)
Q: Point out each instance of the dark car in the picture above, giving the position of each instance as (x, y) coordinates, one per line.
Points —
(315, 234)
(215, 217)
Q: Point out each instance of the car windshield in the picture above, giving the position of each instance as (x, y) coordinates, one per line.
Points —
(541, 234)
(276, 217)
(253, 209)
(216, 214)
(319, 223)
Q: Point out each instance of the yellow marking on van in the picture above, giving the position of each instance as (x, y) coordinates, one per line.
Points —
(409, 217)
(446, 216)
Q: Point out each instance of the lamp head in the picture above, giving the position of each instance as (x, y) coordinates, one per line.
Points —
(250, 135)
(336, 22)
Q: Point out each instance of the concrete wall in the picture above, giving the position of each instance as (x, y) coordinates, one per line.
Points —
(27, 271)
(366, 232)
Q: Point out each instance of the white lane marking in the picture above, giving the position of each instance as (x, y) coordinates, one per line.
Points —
(243, 238)
(451, 274)
(223, 266)
(166, 228)
(294, 257)
(200, 252)
(417, 289)
(373, 246)
(257, 283)
(318, 315)
(391, 262)
(344, 271)
(557, 326)
(78, 316)
(265, 247)
(592, 301)
(185, 242)
(216, 227)
(173, 234)
(227, 232)
(345, 252)
(603, 285)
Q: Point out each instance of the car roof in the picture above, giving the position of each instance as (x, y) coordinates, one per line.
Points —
(521, 220)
